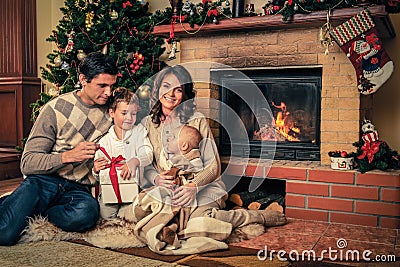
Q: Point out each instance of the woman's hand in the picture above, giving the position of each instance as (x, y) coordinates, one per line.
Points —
(164, 180)
(184, 195)
(99, 164)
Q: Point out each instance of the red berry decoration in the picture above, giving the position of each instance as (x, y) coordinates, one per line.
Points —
(137, 61)
(343, 154)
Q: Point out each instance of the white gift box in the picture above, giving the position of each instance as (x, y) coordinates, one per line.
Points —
(128, 188)
(339, 163)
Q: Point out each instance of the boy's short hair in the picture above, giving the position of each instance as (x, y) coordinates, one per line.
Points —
(122, 94)
(191, 135)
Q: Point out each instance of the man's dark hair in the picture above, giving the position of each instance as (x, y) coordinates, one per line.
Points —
(97, 63)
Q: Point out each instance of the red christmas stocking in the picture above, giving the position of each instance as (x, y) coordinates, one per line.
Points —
(357, 37)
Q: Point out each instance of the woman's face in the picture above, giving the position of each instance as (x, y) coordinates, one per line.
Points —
(170, 93)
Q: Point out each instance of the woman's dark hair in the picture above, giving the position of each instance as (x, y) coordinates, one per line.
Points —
(97, 63)
(186, 109)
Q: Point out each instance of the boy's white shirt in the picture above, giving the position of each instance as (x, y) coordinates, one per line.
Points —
(135, 144)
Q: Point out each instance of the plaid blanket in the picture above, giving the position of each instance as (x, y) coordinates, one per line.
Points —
(153, 209)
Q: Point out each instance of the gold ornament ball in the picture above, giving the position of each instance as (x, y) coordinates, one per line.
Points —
(114, 15)
(144, 92)
(58, 61)
(81, 55)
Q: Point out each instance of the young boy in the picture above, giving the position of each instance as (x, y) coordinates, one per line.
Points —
(123, 138)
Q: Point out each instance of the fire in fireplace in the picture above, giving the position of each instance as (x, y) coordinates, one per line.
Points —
(287, 121)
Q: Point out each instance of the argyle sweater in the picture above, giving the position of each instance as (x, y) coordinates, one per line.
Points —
(62, 124)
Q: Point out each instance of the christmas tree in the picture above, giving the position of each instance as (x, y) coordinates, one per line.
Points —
(120, 28)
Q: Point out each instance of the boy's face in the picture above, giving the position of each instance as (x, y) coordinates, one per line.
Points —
(124, 115)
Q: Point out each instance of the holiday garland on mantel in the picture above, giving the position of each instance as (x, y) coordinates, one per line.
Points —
(120, 28)
(208, 11)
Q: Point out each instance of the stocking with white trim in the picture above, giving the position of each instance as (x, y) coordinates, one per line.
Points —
(358, 38)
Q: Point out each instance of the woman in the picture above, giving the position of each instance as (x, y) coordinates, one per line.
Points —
(172, 105)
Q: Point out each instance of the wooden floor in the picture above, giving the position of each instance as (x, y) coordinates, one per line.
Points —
(9, 185)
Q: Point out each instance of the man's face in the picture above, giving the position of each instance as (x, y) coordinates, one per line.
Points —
(98, 89)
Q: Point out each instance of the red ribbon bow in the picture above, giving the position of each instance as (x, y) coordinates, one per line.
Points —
(370, 149)
(212, 12)
(114, 162)
(126, 4)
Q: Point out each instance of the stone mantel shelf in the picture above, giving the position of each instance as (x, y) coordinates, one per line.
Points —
(274, 22)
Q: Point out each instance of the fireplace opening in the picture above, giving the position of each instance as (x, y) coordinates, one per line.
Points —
(286, 122)
(273, 190)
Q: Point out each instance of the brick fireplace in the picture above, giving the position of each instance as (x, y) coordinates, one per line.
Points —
(313, 190)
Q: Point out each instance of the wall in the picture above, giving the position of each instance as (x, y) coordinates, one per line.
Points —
(48, 16)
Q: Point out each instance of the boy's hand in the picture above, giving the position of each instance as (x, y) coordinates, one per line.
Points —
(133, 164)
(99, 164)
(126, 173)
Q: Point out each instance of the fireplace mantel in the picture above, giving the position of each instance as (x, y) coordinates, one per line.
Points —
(274, 22)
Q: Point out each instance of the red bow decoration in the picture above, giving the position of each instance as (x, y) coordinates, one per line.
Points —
(114, 162)
(212, 12)
(370, 149)
(126, 4)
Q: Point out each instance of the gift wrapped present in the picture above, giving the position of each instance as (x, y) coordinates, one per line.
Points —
(114, 189)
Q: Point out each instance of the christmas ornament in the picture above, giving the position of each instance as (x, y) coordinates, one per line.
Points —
(215, 20)
(324, 34)
(137, 61)
(70, 44)
(89, 20)
(52, 91)
(58, 61)
(114, 15)
(373, 153)
(65, 66)
(173, 51)
(357, 37)
(81, 55)
(227, 3)
(144, 92)
(81, 4)
(104, 51)
(78, 85)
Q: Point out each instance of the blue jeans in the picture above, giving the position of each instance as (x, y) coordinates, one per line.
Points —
(67, 204)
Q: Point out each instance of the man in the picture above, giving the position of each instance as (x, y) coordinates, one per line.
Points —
(58, 156)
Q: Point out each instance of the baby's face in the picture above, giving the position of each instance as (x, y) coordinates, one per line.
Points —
(174, 142)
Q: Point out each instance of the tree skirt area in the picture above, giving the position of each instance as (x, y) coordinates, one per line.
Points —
(112, 242)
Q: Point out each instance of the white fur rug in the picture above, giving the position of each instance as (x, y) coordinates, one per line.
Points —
(112, 233)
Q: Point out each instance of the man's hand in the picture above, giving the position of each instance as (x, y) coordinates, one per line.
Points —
(165, 180)
(99, 164)
(83, 151)
(184, 195)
